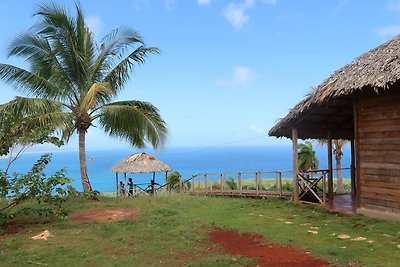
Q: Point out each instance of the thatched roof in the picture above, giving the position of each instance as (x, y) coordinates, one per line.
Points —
(140, 163)
(329, 107)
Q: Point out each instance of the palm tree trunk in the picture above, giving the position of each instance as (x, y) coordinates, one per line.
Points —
(82, 161)
(338, 158)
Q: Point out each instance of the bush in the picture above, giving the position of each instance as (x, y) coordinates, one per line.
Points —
(231, 184)
(35, 186)
(173, 180)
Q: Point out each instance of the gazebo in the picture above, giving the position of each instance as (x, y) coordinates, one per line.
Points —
(140, 163)
(360, 103)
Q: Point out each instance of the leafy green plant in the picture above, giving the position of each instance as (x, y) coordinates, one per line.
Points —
(35, 186)
(216, 186)
(92, 194)
(231, 184)
(173, 180)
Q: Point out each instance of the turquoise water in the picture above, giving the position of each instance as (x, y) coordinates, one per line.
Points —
(188, 161)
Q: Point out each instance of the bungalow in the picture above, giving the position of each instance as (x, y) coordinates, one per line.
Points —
(361, 103)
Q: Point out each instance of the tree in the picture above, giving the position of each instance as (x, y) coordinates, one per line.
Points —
(307, 156)
(72, 81)
(16, 135)
(337, 146)
(34, 185)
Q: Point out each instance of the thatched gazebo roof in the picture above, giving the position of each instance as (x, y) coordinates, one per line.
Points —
(140, 163)
(330, 106)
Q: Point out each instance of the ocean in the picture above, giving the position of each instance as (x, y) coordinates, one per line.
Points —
(187, 161)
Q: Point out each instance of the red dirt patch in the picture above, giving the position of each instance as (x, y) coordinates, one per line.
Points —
(105, 214)
(254, 246)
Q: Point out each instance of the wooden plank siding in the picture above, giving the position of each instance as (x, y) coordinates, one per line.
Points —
(379, 152)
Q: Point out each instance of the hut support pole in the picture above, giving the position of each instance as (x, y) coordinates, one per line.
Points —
(357, 152)
(295, 166)
(353, 169)
(125, 183)
(153, 181)
(330, 168)
(116, 184)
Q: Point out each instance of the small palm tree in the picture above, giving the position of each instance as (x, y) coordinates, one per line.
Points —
(337, 147)
(72, 81)
(307, 157)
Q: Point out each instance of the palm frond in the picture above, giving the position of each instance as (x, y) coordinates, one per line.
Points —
(40, 112)
(28, 82)
(135, 121)
(98, 94)
(121, 72)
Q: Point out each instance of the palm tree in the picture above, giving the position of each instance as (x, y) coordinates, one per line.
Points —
(337, 150)
(72, 81)
(337, 146)
(307, 157)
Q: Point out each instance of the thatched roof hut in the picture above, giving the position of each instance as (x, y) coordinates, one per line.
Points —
(360, 103)
(331, 104)
(141, 163)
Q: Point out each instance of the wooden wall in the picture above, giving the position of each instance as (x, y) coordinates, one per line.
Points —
(379, 151)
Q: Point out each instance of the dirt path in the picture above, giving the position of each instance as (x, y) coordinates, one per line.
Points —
(254, 246)
(105, 214)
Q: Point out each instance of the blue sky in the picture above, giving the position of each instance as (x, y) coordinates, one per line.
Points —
(228, 69)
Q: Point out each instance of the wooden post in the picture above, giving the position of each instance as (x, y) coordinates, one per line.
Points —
(125, 194)
(240, 182)
(153, 188)
(205, 183)
(324, 188)
(116, 184)
(280, 183)
(180, 184)
(221, 182)
(198, 182)
(166, 181)
(357, 153)
(257, 182)
(193, 183)
(295, 166)
(330, 168)
(353, 168)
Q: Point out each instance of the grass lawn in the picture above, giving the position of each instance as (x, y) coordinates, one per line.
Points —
(172, 231)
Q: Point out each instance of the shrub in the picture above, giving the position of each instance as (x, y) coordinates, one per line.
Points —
(173, 180)
(35, 186)
(231, 184)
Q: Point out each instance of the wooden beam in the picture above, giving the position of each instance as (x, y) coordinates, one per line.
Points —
(295, 166)
(357, 152)
(353, 167)
(116, 184)
(330, 168)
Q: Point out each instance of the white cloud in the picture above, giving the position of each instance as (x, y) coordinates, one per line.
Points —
(388, 31)
(257, 129)
(203, 2)
(235, 13)
(393, 5)
(95, 24)
(241, 77)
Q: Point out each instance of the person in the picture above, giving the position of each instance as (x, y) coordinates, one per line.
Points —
(130, 185)
(121, 188)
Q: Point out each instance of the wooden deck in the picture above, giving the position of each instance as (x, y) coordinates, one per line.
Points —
(343, 204)
(241, 193)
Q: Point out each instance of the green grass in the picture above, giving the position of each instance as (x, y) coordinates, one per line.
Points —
(172, 231)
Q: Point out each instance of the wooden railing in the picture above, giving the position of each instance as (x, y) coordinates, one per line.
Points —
(258, 183)
(312, 186)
